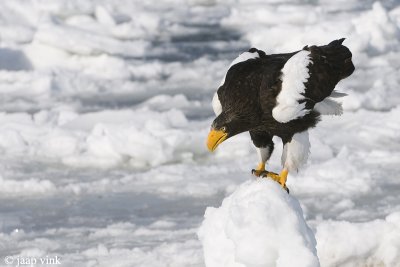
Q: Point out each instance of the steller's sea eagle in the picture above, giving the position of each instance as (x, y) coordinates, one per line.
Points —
(279, 95)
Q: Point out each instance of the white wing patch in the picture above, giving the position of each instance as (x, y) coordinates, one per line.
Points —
(241, 58)
(294, 74)
(216, 104)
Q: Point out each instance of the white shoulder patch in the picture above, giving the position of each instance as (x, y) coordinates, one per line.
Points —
(294, 74)
(329, 107)
(241, 58)
(216, 104)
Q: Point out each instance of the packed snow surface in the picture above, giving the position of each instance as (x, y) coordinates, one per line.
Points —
(258, 225)
(104, 111)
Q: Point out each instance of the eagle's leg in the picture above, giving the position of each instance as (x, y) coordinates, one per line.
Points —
(265, 146)
(295, 153)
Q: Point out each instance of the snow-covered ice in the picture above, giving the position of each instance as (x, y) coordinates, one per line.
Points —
(105, 107)
(258, 225)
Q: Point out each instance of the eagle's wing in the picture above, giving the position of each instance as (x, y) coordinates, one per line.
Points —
(309, 78)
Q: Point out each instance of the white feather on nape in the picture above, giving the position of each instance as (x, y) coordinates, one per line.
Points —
(295, 153)
(329, 107)
(216, 105)
(294, 74)
(241, 58)
(244, 56)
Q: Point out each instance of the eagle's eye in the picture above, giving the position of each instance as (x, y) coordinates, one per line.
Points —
(223, 128)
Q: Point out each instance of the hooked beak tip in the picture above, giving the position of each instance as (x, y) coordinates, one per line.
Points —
(215, 137)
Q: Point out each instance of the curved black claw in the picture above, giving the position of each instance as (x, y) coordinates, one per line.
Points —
(286, 188)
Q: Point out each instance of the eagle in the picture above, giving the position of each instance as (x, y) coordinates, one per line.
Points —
(280, 95)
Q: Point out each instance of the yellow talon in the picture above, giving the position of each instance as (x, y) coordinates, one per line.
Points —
(281, 178)
(274, 176)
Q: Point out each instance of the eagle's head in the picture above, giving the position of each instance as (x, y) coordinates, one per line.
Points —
(341, 56)
(348, 67)
(224, 127)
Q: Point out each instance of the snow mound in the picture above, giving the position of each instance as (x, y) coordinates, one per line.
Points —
(258, 225)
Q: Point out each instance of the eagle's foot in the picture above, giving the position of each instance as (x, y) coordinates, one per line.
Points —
(260, 170)
(259, 173)
(279, 178)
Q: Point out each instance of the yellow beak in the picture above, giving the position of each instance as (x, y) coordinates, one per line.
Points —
(215, 138)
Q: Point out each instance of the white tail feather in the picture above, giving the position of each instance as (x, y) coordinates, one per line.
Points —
(329, 107)
(336, 94)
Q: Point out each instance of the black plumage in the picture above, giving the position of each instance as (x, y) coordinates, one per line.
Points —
(249, 92)
(276, 95)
